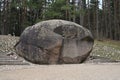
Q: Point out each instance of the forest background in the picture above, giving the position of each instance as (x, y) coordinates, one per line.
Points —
(101, 17)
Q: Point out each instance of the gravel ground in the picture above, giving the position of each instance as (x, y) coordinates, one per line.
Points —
(107, 49)
(7, 43)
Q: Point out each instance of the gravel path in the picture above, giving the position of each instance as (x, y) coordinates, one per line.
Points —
(62, 72)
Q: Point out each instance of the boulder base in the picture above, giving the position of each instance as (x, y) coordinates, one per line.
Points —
(55, 42)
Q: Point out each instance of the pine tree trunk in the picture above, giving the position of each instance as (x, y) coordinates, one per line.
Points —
(106, 21)
(89, 15)
(110, 18)
(97, 22)
(74, 9)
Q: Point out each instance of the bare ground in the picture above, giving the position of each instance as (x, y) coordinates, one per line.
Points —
(63, 72)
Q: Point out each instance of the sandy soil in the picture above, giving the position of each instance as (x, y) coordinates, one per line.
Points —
(62, 72)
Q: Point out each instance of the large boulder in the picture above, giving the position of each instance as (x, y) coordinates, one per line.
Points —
(54, 42)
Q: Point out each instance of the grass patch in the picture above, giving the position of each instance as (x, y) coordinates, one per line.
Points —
(111, 43)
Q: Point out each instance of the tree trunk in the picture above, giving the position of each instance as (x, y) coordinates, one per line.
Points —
(74, 9)
(89, 15)
(97, 22)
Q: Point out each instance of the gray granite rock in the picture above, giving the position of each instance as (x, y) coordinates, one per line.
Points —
(54, 42)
